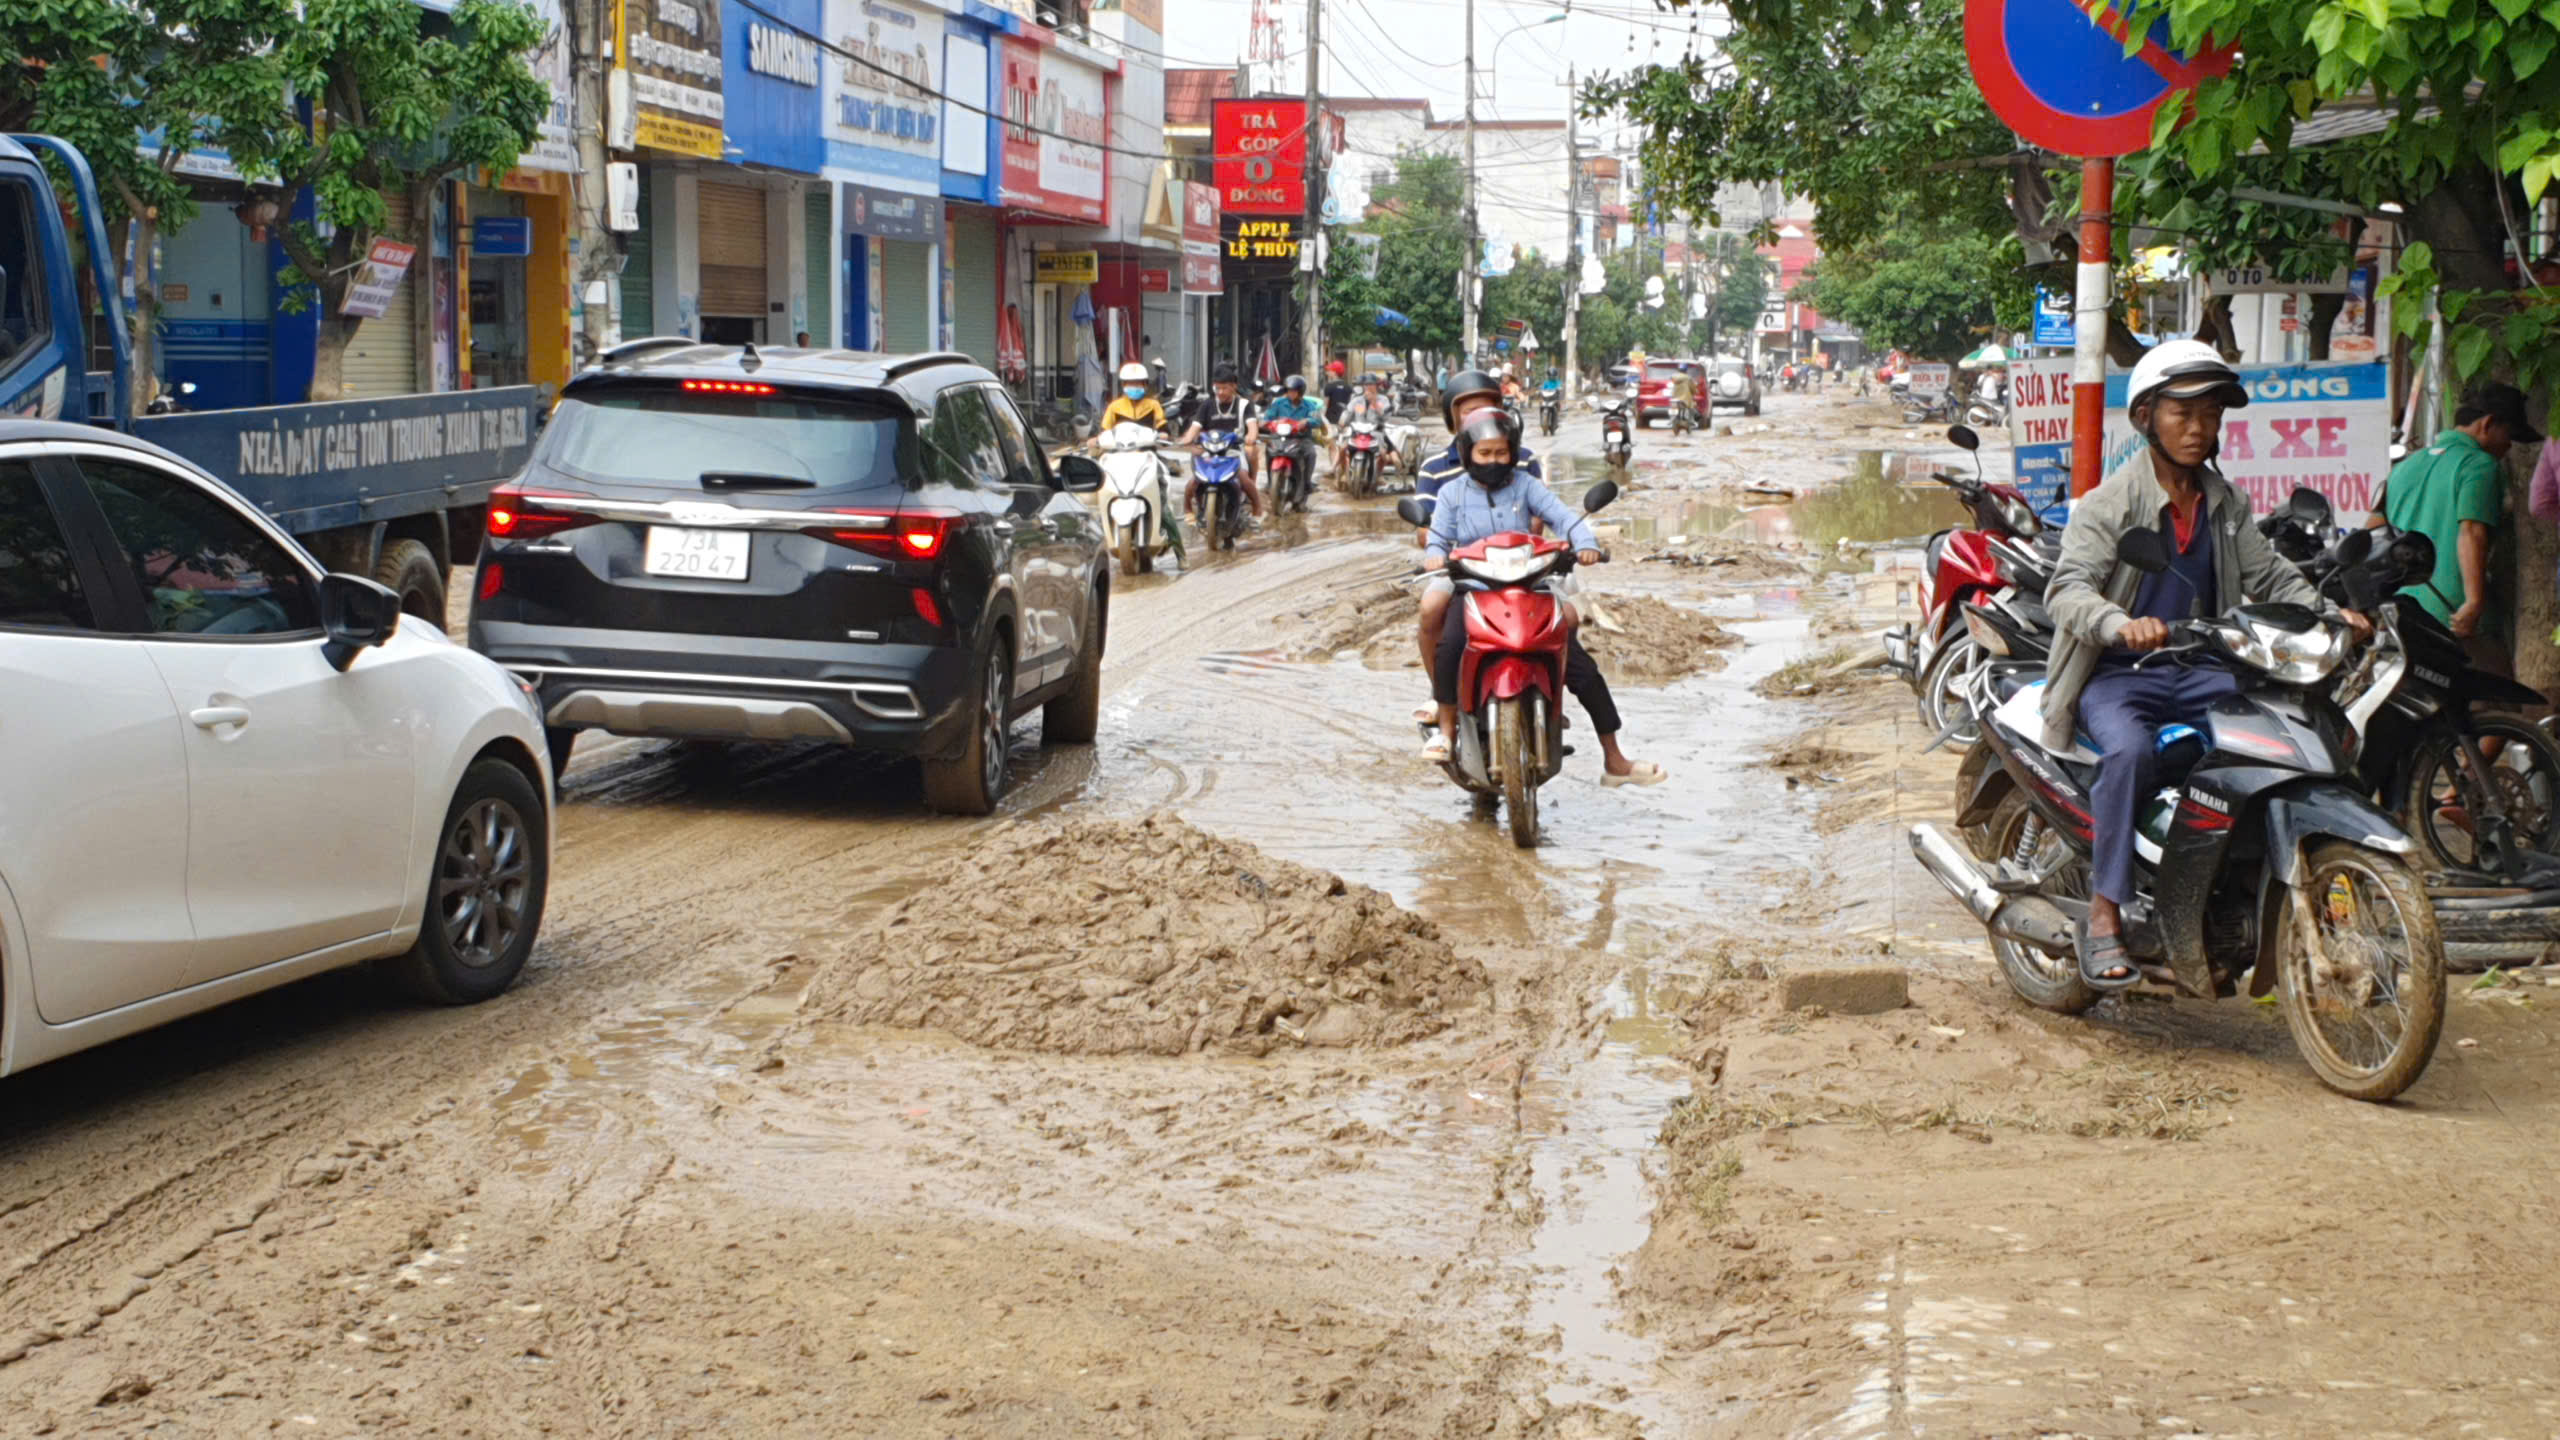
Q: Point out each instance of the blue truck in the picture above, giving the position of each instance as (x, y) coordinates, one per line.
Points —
(394, 487)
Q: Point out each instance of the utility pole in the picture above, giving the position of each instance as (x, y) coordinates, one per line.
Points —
(1572, 246)
(1467, 276)
(590, 24)
(1311, 242)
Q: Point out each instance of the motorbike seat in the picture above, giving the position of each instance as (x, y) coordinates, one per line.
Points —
(2023, 712)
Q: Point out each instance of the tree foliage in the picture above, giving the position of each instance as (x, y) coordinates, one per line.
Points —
(1935, 292)
(1422, 246)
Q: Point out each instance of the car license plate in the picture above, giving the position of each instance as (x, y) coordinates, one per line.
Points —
(697, 554)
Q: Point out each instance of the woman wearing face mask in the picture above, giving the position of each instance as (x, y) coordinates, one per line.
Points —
(1493, 498)
(1136, 401)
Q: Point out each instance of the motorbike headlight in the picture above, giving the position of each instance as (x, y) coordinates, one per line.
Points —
(2293, 657)
(2020, 517)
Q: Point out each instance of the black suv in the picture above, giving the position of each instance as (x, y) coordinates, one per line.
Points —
(713, 542)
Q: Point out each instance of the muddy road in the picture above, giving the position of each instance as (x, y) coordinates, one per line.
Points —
(1238, 1079)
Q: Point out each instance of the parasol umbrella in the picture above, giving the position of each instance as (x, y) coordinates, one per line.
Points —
(1989, 357)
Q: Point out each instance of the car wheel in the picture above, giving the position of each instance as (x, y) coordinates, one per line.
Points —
(971, 782)
(486, 882)
(408, 569)
(1073, 718)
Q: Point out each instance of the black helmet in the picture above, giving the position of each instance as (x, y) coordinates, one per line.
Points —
(1462, 384)
(1225, 374)
(1297, 383)
(1492, 422)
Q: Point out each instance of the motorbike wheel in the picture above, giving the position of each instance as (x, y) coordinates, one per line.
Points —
(1124, 545)
(2048, 982)
(1516, 755)
(1228, 500)
(1942, 696)
(2526, 773)
(2367, 1009)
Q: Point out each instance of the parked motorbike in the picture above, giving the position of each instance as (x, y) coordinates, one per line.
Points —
(2258, 858)
(1511, 674)
(1290, 458)
(1617, 436)
(171, 400)
(1133, 495)
(1220, 469)
(1937, 655)
(1364, 450)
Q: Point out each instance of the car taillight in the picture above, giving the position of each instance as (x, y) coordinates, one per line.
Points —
(898, 534)
(493, 578)
(530, 514)
(728, 387)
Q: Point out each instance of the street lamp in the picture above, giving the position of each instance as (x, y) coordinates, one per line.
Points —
(1556, 18)
(1475, 242)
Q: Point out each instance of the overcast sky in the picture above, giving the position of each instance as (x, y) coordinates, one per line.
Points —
(1417, 47)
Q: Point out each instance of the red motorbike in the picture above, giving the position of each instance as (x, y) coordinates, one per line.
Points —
(1291, 463)
(1961, 566)
(1511, 675)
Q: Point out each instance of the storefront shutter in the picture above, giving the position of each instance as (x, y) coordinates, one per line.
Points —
(639, 298)
(382, 359)
(906, 286)
(973, 289)
(733, 251)
(820, 224)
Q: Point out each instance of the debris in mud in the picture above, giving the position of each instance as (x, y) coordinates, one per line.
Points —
(1842, 667)
(1729, 559)
(1095, 937)
(1374, 616)
(1810, 759)
(1654, 642)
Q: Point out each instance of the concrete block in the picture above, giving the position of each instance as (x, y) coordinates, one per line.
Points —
(1862, 990)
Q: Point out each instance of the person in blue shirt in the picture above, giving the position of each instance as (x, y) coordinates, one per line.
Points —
(1495, 497)
(1294, 404)
(1466, 393)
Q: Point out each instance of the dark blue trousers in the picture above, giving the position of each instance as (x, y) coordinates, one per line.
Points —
(2124, 712)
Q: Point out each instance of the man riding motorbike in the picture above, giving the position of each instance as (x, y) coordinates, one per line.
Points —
(1225, 408)
(2109, 613)
(1370, 403)
(1293, 404)
(1495, 496)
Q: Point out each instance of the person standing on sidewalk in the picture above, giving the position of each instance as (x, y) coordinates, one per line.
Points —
(2450, 492)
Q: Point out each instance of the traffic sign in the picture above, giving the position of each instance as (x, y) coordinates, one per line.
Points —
(2053, 318)
(2058, 74)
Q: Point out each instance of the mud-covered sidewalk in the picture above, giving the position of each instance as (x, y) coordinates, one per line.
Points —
(1242, 1079)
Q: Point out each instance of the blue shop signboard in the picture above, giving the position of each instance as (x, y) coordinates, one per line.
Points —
(501, 237)
(774, 78)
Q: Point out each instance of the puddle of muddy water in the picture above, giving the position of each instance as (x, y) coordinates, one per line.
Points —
(1880, 500)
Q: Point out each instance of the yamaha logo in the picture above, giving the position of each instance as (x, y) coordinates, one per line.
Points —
(2441, 682)
(2214, 803)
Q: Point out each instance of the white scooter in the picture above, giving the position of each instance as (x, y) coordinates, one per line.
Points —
(1133, 496)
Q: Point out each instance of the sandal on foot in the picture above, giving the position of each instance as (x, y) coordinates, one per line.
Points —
(1645, 772)
(1436, 749)
(2102, 953)
(1426, 714)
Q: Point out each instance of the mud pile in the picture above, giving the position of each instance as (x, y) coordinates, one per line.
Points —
(1660, 643)
(1095, 937)
(1374, 617)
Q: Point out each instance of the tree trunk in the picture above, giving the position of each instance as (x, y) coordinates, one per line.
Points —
(2124, 348)
(2537, 602)
(2217, 327)
(329, 357)
(2324, 313)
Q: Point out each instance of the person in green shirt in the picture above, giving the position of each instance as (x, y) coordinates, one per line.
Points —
(2451, 493)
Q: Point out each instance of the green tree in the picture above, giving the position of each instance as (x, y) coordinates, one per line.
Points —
(1422, 246)
(1935, 292)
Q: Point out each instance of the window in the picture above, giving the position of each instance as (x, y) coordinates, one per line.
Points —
(664, 436)
(203, 567)
(37, 584)
(1021, 456)
(22, 310)
(960, 445)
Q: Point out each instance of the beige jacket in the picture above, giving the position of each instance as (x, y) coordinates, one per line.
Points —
(2090, 590)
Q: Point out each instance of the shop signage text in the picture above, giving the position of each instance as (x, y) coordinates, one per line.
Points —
(893, 214)
(501, 237)
(1275, 239)
(374, 285)
(2324, 426)
(887, 92)
(1056, 120)
(1066, 267)
(1931, 377)
(1261, 150)
(774, 105)
(1156, 282)
(1201, 274)
(675, 75)
(782, 55)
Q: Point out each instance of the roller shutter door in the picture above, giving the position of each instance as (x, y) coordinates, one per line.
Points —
(382, 359)
(973, 289)
(639, 300)
(733, 251)
(906, 284)
(821, 223)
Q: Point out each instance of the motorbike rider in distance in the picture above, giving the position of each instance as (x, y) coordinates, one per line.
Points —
(1293, 404)
(1226, 408)
(1496, 496)
(2108, 613)
(1370, 402)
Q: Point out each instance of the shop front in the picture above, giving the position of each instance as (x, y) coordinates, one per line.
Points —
(1053, 173)
(1203, 277)
(892, 284)
(751, 244)
(1260, 173)
(883, 128)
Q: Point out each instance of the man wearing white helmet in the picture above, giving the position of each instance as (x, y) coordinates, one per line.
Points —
(2108, 613)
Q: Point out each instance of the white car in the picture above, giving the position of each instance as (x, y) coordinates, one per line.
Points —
(222, 768)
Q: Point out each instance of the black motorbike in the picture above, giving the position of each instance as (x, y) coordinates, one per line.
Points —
(2259, 858)
(1550, 413)
(1617, 434)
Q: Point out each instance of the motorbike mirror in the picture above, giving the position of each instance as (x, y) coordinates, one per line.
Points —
(2306, 503)
(1414, 510)
(2355, 547)
(2144, 550)
(1599, 496)
(2414, 556)
(1963, 438)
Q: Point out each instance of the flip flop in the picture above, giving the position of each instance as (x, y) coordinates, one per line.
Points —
(1426, 714)
(2101, 953)
(1644, 773)
(1436, 749)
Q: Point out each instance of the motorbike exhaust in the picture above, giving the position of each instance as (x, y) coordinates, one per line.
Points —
(2029, 920)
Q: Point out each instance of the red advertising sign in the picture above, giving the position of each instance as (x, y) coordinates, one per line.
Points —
(1261, 150)
(1201, 275)
(1056, 122)
(1156, 282)
(1200, 214)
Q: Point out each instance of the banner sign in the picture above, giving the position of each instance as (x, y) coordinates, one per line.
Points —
(1056, 123)
(1156, 282)
(2324, 426)
(371, 291)
(892, 214)
(2040, 427)
(885, 108)
(501, 237)
(1202, 274)
(1261, 150)
(1931, 378)
(676, 74)
(1274, 239)
(2054, 326)
(1066, 267)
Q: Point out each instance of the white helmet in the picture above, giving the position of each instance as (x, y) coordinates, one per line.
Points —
(1135, 371)
(2184, 368)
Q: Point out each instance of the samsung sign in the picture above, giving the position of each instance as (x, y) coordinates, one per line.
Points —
(782, 55)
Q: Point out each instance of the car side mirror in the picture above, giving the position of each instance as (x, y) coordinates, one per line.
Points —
(2144, 550)
(356, 614)
(1599, 497)
(1963, 438)
(1081, 474)
(1414, 510)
